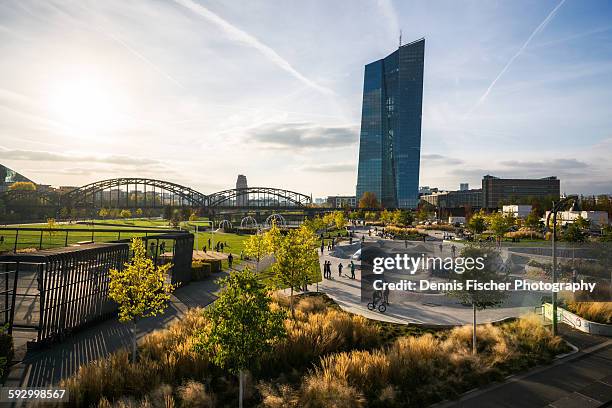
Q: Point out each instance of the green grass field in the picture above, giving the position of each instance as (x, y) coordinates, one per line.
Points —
(54, 239)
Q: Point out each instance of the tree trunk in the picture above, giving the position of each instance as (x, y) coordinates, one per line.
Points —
(474, 330)
(134, 340)
(291, 303)
(240, 388)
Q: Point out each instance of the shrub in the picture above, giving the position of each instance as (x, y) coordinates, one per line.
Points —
(599, 312)
(311, 304)
(523, 233)
(166, 356)
(194, 395)
(320, 392)
(310, 336)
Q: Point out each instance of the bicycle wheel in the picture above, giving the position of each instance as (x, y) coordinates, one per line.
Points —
(371, 306)
(382, 308)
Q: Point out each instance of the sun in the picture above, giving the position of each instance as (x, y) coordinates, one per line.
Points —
(86, 106)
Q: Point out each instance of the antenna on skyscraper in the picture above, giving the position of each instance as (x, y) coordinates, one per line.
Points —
(400, 38)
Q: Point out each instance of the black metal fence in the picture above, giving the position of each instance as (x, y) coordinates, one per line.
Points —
(60, 290)
(55, 291)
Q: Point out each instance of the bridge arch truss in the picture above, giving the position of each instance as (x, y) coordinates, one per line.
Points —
(134, 193)
(257, 197)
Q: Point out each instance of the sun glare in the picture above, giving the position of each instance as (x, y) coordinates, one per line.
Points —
(86, 106)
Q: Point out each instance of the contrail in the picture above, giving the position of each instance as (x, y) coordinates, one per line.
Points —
(541, 27)
(246, 38)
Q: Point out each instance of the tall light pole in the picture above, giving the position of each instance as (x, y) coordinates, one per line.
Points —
(555, 208)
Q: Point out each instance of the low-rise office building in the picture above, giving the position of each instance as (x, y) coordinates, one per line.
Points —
(597, 219)
(518, 211)
(496, 191)
(342, 201)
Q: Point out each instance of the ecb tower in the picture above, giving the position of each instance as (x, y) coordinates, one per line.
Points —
(390, 138)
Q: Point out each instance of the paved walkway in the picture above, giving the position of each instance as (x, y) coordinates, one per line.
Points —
(48, 366)
(411, 307)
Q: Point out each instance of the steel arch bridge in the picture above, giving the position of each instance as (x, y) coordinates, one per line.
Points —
(151, 193)
(257, 197)
(134, 192)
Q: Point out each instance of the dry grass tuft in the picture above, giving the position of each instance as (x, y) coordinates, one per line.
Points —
(311, 304)
(194, 395)
(599, 312)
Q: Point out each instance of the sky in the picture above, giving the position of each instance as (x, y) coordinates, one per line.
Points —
(197, 91)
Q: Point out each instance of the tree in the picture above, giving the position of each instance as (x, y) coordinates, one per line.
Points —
(369, 200)
(176, 218)
(51, 226)
(574, 233)
(139, 212)
(256, 247)
(339, 220)
(23, 186)
(402, 217)
(103, 213)
(500, 223)
(296, 259)
(193, 217)
(125, 213)
(315, 223)
(479, 299)
(64, 213)
(477, 223)
(140, 288)
(386, 217)
(242, 325)
(532, 221)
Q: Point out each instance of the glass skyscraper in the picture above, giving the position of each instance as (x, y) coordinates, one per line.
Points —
(390, 139)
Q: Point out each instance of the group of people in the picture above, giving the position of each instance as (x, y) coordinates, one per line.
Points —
(327, 273)
(219, 246)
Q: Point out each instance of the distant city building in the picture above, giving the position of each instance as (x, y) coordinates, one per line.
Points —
(320, 200)
(456, 220)
(8, 177)
(496, 191)
(242, 199)
(464, 186)
(448, 200)
(597, 219)
(425, 190)
(390, 138)
(342, 201)
(518, 211)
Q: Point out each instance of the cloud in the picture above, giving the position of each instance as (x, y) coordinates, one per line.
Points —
(303, 135)
(438, 159)
(547, 165)
(243, 37)
(39, 155)
(330, 168)
(538, 29)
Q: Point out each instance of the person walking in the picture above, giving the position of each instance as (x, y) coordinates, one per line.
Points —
(322, 246)
(230, 260)
(340, 266)
(209, 243)
(204, 248)
(352, 270)
(328, 269)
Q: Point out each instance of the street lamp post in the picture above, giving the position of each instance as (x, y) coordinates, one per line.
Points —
(555, 208)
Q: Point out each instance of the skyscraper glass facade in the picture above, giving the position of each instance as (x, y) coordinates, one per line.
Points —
(390, 139)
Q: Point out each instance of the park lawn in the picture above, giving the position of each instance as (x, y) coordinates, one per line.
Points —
(235, 242)
(54, 239)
